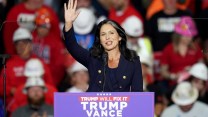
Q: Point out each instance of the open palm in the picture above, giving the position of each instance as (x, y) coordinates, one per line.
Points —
(70, 12)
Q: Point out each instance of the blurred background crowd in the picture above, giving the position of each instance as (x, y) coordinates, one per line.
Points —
(170, 36)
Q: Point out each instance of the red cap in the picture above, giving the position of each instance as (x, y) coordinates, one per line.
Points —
(43, 17)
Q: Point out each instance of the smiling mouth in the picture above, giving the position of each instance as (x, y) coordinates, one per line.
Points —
(108, 43)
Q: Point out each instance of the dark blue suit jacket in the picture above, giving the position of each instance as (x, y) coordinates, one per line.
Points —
(128, 74)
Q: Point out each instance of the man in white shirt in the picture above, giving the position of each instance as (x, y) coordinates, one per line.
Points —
(184, 97)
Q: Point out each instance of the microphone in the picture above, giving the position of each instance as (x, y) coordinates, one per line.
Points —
(105, 62)
(105, 58)
(4, 57)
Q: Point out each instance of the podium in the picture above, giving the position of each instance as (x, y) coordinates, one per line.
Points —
(104, 104)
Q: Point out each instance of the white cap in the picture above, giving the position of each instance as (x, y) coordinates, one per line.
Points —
(184, 94)
(85, 21)
(77, 67)
(22, 34)
(32, 81)
(133, 26)
(199, 70)
(34, 68)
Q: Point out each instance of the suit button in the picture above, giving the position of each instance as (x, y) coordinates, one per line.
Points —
(100, 82)
(124, 77)
(99, 71)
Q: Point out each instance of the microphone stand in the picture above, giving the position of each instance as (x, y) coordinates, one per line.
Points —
(4, 57)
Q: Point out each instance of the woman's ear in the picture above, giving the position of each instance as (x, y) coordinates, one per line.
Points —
(120, 38)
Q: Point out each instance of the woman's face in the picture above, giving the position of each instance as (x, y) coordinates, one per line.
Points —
(185, 40)
(109, 37)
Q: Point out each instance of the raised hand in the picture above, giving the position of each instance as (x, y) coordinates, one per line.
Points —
(70, 13)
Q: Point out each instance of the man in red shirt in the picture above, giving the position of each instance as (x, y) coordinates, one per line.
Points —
(121, 10)
(34, 72)
(15, 66)
(23, 15)
(48, 46)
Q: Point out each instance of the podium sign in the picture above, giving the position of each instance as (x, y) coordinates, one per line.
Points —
(128, 104)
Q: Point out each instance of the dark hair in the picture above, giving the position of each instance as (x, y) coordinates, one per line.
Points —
(97, 50)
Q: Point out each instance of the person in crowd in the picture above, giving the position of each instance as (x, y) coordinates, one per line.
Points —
(33, 69)
(182, 53)
(185, 103)
(99, 13)
(136, 39)
(22, 39)
(198, 78)
(161, 25)
(121, 10)
(112, 66)
(157, 5)
(84, 27)
(95, 7)
(23, 15)
(35, 89)
(159, 106)
(48, 46)
(141, 44)
(146, 71)
(78, 78)
(53, 4)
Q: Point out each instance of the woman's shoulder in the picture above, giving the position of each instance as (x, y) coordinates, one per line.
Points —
(136, 59)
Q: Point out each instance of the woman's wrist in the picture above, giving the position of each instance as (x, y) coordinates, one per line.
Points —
(68, 26)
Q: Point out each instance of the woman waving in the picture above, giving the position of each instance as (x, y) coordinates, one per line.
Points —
(112, 66)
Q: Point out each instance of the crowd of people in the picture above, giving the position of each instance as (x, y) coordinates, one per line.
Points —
(169, 36)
